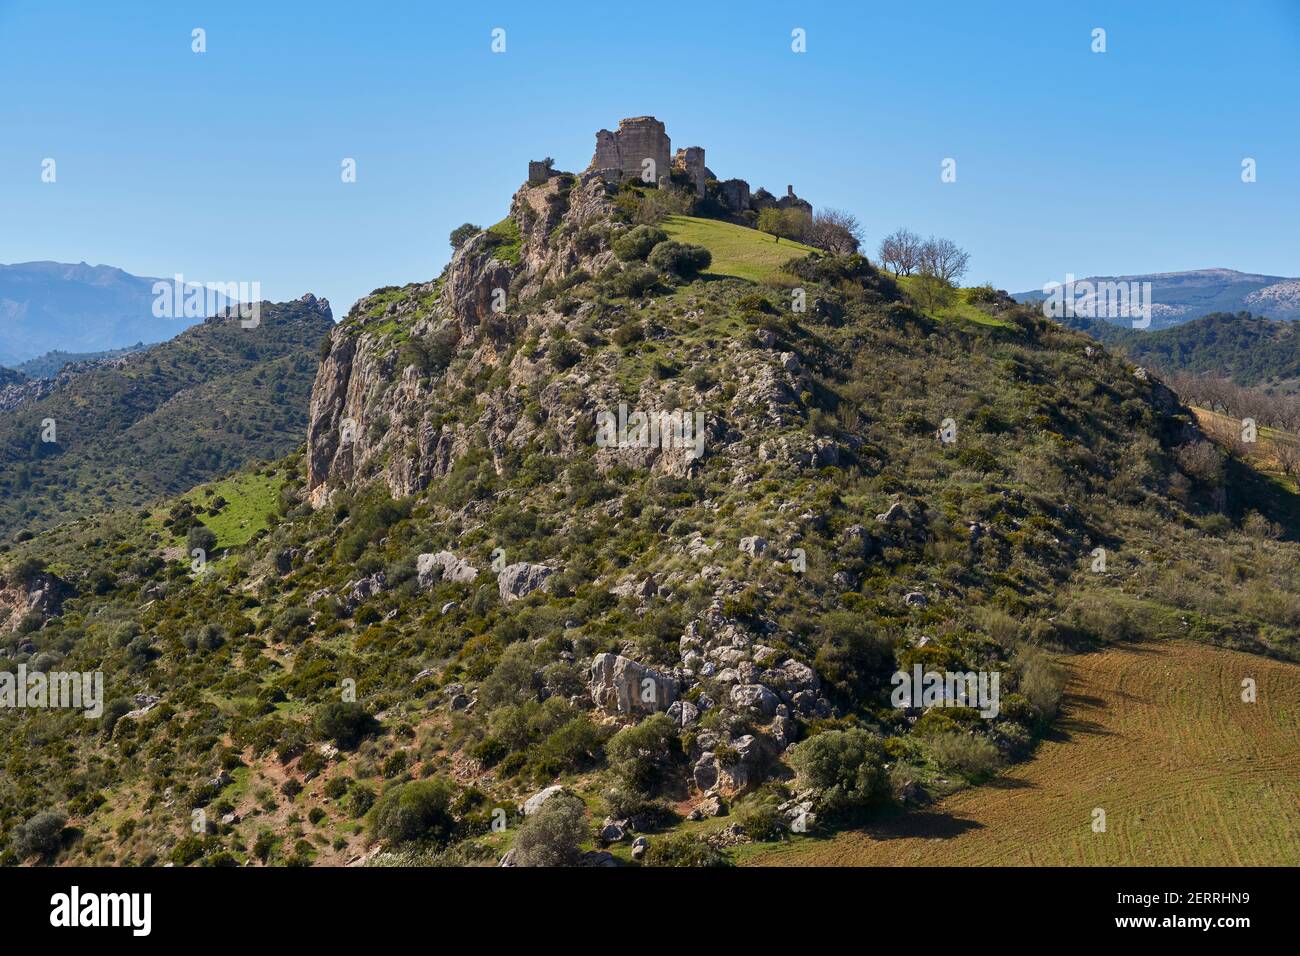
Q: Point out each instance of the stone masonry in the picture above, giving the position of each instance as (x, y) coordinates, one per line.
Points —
(623, 154)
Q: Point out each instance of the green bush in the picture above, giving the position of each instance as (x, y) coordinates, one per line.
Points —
(552, 835)
(41, 834)
(637, 242)
(975, 758)
(683, 849)
(641, 756)
(345, 723)
(847, 766)
(680, 259)
(418, 810)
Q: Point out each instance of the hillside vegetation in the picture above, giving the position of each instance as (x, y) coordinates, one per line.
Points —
(465, 592)
(158, 422)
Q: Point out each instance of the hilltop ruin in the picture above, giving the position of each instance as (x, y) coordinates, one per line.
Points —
(641, 150)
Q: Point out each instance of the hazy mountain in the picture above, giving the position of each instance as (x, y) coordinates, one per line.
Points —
(125, 430)
(51, 363)
(47, 306)
(1180, 297)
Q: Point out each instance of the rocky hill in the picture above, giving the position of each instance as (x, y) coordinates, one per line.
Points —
(214, 398)
(593, 556)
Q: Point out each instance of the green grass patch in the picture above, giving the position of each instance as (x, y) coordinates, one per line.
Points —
(249, 500)
(737, 251)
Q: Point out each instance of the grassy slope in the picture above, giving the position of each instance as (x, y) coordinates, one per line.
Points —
(737, 251)
(1155, 734)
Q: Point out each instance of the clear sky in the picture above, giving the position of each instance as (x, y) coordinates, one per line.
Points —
(225, 166)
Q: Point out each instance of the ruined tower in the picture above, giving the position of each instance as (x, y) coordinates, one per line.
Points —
(640, 149)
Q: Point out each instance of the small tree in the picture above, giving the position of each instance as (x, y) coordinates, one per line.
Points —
(943, 258)
(836, 231)
(463, 233)
(900, 252)
(680, 259)
(552, 835)
(345, 723)
(783, 223)
(847, 766)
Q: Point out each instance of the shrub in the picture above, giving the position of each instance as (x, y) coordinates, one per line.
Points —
(464, 232)
(41, 834)
(680, 259)
(201, 538)
(642, 755)
(973, 757)
(847, 766)
(637, 242)
(552, 835)
(344, 723)
(633, 282)
(418, 810)
(851, 654)
(683, 849)
(628, 333)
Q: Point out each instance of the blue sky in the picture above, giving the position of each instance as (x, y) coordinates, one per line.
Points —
(225, 166)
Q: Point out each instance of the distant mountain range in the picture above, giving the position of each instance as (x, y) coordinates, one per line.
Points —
(1179, 297)
(47, 306)
(132, 428)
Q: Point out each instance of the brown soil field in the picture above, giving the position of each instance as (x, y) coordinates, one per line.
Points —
(1154, 734)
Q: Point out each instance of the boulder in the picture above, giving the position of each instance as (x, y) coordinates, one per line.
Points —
(444, 566)
(521, 579)
(683, 713)
(895, 512)
(753, 545)
(620, 684)
(706, 808)
(915, 599)
(535, 802)
(754, 697)
(639, 847)
(706, 771)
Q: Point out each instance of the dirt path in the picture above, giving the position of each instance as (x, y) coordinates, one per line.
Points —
(1157, 736)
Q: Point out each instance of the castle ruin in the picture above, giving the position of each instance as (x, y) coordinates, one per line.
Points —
(640, 150)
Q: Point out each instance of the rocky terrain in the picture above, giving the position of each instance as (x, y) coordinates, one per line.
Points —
(476, 629)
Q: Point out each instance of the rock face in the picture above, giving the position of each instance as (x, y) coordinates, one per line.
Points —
(43, 595)
(624, 154)
(520, 580)
(620, 684)
(443, 566)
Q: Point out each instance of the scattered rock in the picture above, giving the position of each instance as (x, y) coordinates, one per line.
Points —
(443, 566)
(620, 684)
(519, 580)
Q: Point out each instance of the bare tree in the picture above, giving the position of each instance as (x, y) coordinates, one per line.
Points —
(900, 252)
(943, 258)
(1287, 455)
(835, 231)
